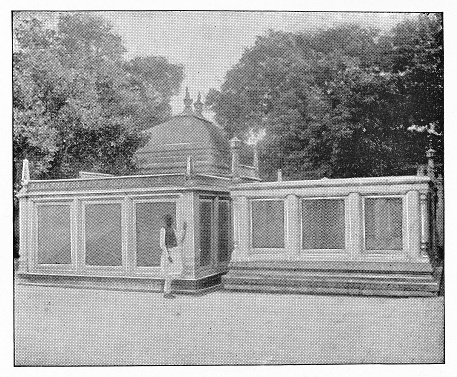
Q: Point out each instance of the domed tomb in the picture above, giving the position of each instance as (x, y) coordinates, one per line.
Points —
(186, 134)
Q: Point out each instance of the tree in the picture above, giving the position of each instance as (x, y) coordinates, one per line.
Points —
(77, 103)
(339, 102)
(417, 57)
(152, 81)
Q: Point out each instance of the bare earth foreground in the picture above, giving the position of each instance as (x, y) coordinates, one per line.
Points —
(66, 326)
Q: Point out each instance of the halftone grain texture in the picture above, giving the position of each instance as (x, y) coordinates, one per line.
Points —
(62, 326)
(65, 326)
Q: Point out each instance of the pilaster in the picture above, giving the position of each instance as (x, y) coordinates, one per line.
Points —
(23, 233)
(128, 227)
(412, 246)
(74, 218)
(293, 225)
(424, 219)
(354, 225)
(241, 228)
(187, 212)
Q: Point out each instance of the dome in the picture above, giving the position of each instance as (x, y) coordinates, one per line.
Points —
(187, 134)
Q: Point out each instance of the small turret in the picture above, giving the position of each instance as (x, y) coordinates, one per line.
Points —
(187, 103)
(198, 106)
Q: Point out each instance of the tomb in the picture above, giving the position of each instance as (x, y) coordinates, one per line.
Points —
(100, 230)
(374, 236)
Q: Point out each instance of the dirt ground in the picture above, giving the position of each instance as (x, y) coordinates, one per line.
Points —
(66, 326)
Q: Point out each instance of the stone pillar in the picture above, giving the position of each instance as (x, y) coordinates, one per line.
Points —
(279, 175)
(241, 228)
(24, 222)
(235, 225)
(235, 146)
(293, 225)
(354, 226)
(128, 227)
(431, 163)
(187, 214)
(215, 237)
(440, 213)
(74, 218)
(425, 225)
(412, 238)
(25, 172)
(80, 247)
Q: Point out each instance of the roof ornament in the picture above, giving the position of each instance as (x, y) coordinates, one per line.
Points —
(187, 103)
(198, 106)
(25, 172)
(189, 168)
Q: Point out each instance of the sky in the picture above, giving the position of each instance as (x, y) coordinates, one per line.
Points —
(208, 44)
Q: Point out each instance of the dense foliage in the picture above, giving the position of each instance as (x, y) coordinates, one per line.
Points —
(346, 101)
(77, 103)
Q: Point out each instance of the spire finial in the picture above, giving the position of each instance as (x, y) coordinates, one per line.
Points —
(25, 172)
(189, 167)
(198, 106)
(187, 102)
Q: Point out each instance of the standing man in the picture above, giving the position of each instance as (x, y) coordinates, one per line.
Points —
(171, 245)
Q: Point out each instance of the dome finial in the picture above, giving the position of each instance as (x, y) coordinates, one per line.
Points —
(187, 102)
(198, 106)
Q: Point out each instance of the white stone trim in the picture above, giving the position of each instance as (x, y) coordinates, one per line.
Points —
(339, 182)
(413, 230)
(124, 191)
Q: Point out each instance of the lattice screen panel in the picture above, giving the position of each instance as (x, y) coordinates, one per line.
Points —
(383, 224)
(267, 224)
(54, 234)
(103, 231)
(323, 225)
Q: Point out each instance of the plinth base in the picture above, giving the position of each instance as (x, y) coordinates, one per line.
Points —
(184, 286)
(377, 279)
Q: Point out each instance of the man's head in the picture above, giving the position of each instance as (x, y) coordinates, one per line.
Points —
(168, 220)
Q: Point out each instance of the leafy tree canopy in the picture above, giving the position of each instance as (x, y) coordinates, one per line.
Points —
(77, 103)
(346, 101)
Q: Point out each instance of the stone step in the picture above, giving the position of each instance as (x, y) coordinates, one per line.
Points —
(127, 284)
(394, 267)
(326, 290)
(325, 276)
(346, 283)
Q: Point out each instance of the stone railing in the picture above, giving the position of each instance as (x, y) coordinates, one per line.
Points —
(359, 219)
